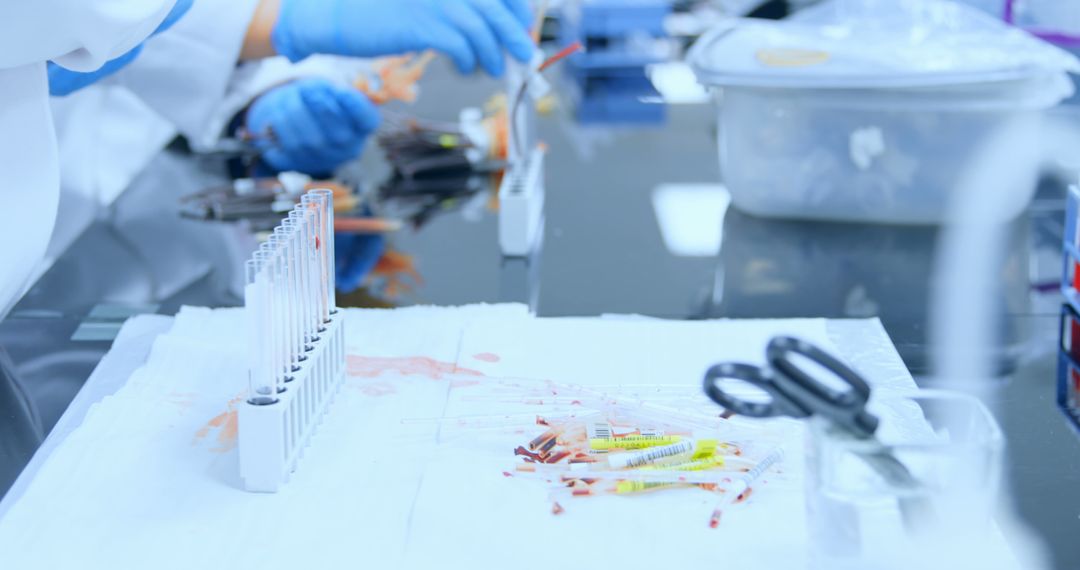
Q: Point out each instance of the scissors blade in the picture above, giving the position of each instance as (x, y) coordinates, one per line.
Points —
(916, 510)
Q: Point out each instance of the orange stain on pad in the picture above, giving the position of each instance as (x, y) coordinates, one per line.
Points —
(226, 424)
(487, 357)
(375, 366)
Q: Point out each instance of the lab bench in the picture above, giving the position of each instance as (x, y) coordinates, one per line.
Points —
(603, 251)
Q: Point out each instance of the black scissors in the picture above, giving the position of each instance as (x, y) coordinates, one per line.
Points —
(797, 391)
(794, 391)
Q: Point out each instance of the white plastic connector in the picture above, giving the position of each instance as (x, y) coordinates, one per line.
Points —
(471, 123)
(272, 437)
(294, 183)
(521, 205)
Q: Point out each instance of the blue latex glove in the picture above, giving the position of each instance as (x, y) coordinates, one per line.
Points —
(317, 126)
(65, 82)
(355, 257)
(469, 31)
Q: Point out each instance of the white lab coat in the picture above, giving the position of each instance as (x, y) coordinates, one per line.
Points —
(80, 35)
(109, 132)
(185, 82)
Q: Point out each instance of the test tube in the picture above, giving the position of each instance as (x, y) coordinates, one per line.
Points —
(279, 322)
(326, 231)
(289, 223)
(261, 380)
(317, 204)
(290, 344)
(265, 256)
(306, 242)
(306, 309)
(307, 218)
(311, 203)
(299, 283)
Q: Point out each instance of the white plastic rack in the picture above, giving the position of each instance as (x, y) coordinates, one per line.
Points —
(296, 343)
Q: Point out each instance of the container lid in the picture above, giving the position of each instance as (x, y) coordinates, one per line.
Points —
(874, 44)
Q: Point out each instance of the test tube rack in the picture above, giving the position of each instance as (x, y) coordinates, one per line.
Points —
(272, 438)
(1070, 281)
(1068, 389)
(1069, 349)
(296, 344)
(521, 192)
(521, 206)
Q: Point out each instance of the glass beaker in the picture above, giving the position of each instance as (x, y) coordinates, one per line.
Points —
(866, 518)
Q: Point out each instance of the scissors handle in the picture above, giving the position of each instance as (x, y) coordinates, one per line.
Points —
(847, 408)
(762, 379)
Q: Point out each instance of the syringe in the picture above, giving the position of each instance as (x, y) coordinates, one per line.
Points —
(739, 487)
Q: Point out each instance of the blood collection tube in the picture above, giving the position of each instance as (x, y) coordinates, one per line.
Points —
(261, 380)
(326, 230)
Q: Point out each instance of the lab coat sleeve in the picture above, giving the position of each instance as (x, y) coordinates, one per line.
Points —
(184, 74)
(253, 79)
(77, 34)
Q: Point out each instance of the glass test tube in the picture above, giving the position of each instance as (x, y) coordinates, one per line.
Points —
(309, 206)
(262, 382)
(298, 337)
(296, 238)
(265, 256)
(301, 340)
(317, 203)
(304, 241)
(288, 357)
(289, 223)
(312, 255)
(273, 338)
(300, 222)
(328, 247)
(283, 357)
(276, 352)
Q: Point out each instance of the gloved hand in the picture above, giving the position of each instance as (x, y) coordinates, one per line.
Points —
(469, 31)
(65, 82)
(317, 126)
(356, 255)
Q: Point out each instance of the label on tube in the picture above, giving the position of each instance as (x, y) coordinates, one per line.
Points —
(696, 449)
(695, 465)
(603, 437)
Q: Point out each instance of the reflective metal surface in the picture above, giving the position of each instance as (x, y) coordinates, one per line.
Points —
(603, 252)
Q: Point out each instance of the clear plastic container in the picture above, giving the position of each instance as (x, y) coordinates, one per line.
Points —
(954, 449)
(871, 110)
(888, 155)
